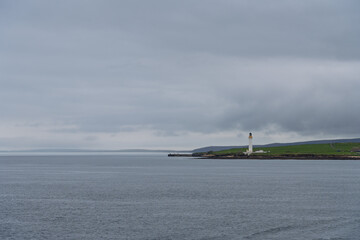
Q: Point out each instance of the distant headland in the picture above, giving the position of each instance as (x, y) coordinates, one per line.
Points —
(338, 149)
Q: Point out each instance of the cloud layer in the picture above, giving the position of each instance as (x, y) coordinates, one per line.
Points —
(170, 74)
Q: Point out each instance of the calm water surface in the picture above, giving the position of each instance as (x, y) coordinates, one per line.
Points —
(155, 197)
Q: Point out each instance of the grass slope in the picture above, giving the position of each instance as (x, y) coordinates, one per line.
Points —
(318, 149)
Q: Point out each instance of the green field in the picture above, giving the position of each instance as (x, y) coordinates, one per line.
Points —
(320, 149)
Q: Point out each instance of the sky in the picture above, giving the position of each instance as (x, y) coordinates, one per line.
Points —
(166, 74)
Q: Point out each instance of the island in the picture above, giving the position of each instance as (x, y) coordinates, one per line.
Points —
(328, 151)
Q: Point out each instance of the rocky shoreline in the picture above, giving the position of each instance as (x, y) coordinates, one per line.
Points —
(269, 157)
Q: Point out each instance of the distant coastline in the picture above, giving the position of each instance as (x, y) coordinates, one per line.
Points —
(270, 157)
(326, 141)
(341, 149)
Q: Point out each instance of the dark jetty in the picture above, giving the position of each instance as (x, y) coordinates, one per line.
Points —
(180, 155)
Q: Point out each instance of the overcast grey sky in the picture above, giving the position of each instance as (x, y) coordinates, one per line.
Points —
(115, 74)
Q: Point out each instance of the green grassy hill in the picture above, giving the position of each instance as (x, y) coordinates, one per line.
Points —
(318, 149)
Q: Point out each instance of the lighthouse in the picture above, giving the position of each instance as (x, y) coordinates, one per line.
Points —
(250, 143)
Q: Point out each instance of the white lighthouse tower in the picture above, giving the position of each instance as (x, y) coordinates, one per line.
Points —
(250, 144)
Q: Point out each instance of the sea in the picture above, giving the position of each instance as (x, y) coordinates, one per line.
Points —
(151, 196)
